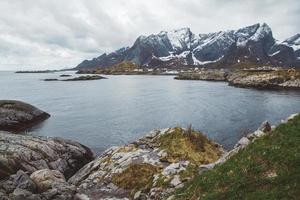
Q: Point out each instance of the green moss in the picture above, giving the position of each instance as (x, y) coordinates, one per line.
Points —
(136, 177)
(266, 169)
(192, 146)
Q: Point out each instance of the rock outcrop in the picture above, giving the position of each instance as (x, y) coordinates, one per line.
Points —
(17, 115)
(208, 75)
(265, 80)
(41, 185)
(150, 168)
(32, 153)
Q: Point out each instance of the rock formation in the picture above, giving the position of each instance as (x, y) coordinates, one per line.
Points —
(31, 153)
(149, 168)
(17, 115)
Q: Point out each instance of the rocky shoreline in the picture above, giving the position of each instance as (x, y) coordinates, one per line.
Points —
(260, 79)
(152, 167)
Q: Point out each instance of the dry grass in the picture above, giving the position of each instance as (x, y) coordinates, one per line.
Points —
(188, 145)
(136, 177)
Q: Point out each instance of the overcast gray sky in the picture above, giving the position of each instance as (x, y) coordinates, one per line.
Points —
(54, 34)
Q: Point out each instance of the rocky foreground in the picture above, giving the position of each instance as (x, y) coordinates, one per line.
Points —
(150, 168)
(153, 167)
(48, 162)
(17, 115)
(269, 79)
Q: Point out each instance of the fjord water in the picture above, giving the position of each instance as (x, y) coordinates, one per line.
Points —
(120, 109)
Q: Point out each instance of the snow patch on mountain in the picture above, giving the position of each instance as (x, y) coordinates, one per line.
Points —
(293, 42)
(199, 62)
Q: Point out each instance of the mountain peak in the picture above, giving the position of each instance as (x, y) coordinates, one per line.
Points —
(293, 40)
(247, 44)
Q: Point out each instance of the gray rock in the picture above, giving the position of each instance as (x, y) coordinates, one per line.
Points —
(265, 127)
(175, 181)
(20, 194)
(23, 181)
(45, 178)
(32, 153)
(17, 115)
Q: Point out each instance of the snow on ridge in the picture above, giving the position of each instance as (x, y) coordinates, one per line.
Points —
(179, 38)
(293, 42)
(273, 54)
(198, 62)
(172, 56)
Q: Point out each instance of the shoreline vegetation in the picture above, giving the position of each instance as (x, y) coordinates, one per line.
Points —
(172, 163)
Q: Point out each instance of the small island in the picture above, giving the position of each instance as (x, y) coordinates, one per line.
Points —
(85, 78)
(80, 78)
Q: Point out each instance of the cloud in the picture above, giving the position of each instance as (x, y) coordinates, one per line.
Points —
(61, 33)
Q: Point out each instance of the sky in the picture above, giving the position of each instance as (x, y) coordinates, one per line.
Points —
(56, 34)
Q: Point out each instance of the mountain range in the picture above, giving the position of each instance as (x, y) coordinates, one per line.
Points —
(251, 45)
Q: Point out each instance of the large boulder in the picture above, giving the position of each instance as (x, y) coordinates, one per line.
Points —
(17, 115)
(32, 153)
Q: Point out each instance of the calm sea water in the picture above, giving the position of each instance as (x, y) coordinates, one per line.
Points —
(118, 110)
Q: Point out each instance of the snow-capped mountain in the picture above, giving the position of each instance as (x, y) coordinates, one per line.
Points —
(288, 51)
(251, 44)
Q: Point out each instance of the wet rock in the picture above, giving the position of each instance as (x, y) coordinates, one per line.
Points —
(32, 153)
(17, 115)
